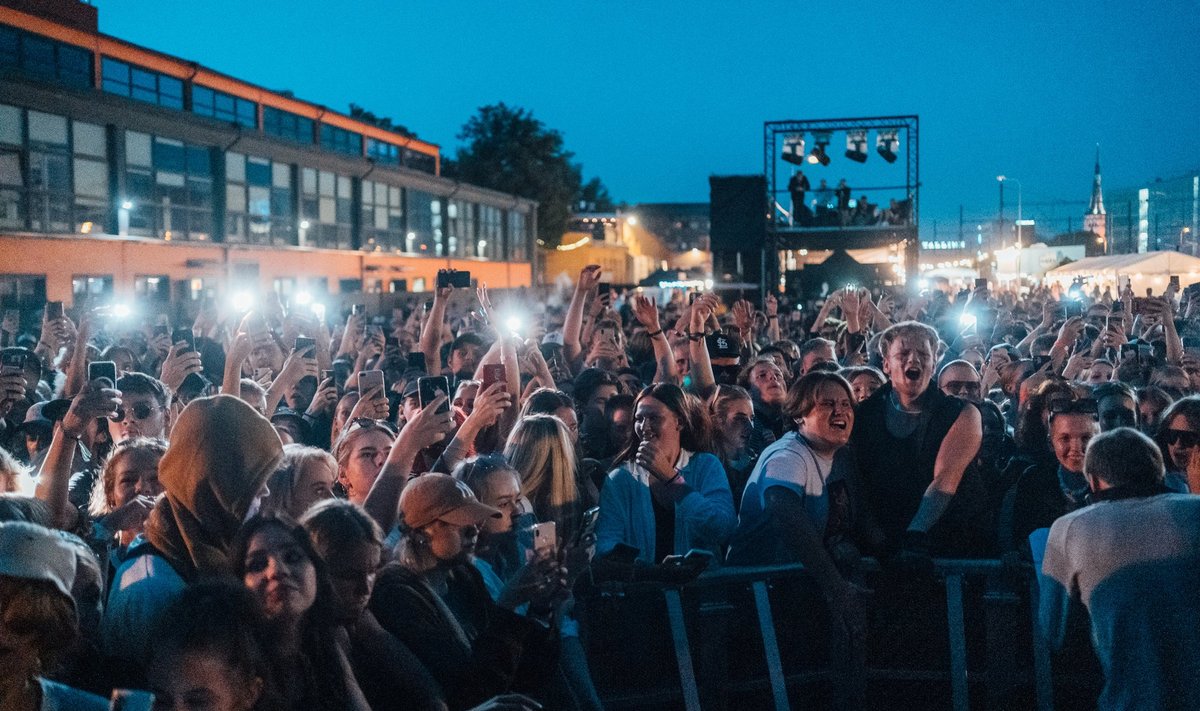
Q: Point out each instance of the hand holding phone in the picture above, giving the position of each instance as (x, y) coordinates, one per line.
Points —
(545, 540)
(428, 389)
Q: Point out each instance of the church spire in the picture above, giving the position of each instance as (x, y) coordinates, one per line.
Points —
(1097, 205)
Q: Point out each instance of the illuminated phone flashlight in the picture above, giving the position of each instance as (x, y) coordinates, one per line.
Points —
(318, 310)
(968, 320)
(242, 301)
(514, 325)
(120, 311)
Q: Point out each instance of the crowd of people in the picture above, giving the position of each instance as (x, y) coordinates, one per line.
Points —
(264, 510)
(834, 207)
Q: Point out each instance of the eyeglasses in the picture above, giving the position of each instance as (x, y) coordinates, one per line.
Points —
(1182, 438)
(969, 386)
(1084, 406)
(140, 411)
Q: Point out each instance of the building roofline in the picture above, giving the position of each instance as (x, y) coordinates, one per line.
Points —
(187, 70)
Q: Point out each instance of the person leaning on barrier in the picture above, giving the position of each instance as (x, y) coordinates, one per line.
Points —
(913, 446)
(797, 505)
(1132, 559)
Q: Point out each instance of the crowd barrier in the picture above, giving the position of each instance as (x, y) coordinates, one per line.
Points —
(717, 591)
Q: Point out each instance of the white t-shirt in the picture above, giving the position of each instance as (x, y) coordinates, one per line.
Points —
(792, 464)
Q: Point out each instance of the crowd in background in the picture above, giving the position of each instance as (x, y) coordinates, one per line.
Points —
(271, 510)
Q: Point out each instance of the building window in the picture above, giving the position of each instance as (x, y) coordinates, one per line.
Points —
(49, 176)
(152, 288)
(53, 173)
(488, 241)
(518, 236)
(382, 225)
(460, 228)
(420, 236)
(45, 58)
(284, 124)
(419, 161)
(141, 84)
(168, 188)
(224, 107)
(91, 287)
(325, 209)
(90, 169)
(341, 140)
(258, 201)
(383, 153)
(23, 290)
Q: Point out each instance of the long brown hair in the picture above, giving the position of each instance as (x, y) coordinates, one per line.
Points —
(695, 435)
(540, 450)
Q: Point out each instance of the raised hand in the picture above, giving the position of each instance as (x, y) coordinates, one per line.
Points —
(427, 426)
(181, 361)
(646, 312)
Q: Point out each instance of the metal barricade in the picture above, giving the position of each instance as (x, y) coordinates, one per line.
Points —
(759, 580)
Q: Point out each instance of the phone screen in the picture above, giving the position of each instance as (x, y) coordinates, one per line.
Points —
(493, 373)
(545, 539)
(369, 380)
(428, 389)
(54, 309)
(103, 369)
(416, 361)
(304, 343)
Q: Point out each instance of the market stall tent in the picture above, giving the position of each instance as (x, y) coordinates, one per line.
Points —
(1147, 270)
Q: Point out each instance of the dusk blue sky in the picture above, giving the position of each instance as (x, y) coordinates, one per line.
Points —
(654, 97)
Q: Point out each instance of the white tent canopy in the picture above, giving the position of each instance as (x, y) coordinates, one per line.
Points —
(1147, 270)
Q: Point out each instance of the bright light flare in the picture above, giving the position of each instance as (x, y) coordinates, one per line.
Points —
(968, 320)
(303, 298)
(121, 311)
(513, 324)
(242, 301)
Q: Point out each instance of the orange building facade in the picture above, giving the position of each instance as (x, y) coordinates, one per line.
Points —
(127, 172)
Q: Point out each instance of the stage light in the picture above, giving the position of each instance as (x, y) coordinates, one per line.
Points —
(856, 146)
(819, 154)
(793, 148)
(887, 143)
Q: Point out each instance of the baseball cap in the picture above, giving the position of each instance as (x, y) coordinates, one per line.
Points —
(32, 552)
(431, 497)
(721, 346)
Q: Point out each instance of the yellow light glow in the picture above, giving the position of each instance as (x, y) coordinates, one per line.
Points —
(86, 228)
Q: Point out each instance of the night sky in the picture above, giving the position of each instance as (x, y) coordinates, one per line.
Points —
(654, 97)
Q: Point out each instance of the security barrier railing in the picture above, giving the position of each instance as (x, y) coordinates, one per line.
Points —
(717, 589)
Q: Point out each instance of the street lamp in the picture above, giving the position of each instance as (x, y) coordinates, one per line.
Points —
(1003, 179)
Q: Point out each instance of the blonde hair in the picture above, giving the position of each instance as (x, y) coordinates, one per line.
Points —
(106, 484)
(282, 483)
(345, 443)
(540, 449)
(13, 474)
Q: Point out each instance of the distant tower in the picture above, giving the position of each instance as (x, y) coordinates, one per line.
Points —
(1094, 221)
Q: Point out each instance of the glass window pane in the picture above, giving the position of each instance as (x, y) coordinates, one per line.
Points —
(343, 187)
(258, 171)
(308, 180)
(327, 211)
(235, 198)
(199, 163)
(91, 178)
(235, 167)
(326, 181)
(137, 149)
(394, 197)
(47, 128)
(281, 175)
(10, 168)
(169, 179)
(89, 139)
(169, 155)
(202, 100)
(380, 194)
(10, 125)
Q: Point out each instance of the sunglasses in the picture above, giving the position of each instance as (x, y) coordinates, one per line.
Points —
(1183, 438)
(140, 411)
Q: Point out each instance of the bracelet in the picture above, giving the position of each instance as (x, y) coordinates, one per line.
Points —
(695, 336)
(655, 334)
(674, 478)
(772, 316)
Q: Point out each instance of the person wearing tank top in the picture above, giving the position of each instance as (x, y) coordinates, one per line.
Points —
(912, 445)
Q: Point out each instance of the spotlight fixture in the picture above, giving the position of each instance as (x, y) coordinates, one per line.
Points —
(887, 143)
(793, 148)
(819, 154)
(856, 146)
